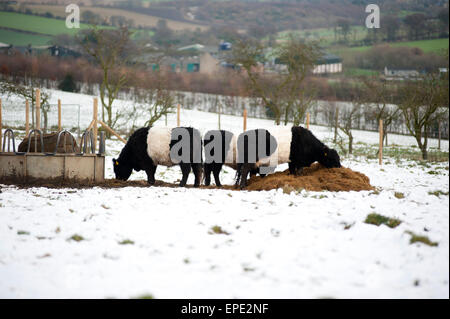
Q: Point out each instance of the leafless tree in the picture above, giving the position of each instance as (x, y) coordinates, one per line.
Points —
(379, 97)
(420, 106)
(346, 121)
(111, 49)
(28, 92)
(283, 92)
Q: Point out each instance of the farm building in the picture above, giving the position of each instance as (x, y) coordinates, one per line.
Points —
(391, 74)
(206, 59)
(329, 63)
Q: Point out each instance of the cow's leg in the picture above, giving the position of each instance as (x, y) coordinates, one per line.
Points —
(292, 169)
(245, 171)
(253, 172)
(299, 171)
(185, 169)
(151, 174)
(197, 169)
(208, 169)
(216, 171)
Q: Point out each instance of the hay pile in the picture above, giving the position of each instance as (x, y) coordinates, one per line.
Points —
(313, 178)
(65, 143)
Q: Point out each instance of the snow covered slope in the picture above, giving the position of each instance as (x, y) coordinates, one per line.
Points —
(191, 243)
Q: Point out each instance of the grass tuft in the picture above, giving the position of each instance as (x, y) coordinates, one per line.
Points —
(126, 242)
(399, 195)
(438, 193)
(376, 219)
(217, 230)
(76, 238)
(421, 239)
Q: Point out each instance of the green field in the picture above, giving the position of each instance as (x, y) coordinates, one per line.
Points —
(428, 46)
(324, 35)
(22, 39)
(44, 27)
(359, 72)
(36, 24)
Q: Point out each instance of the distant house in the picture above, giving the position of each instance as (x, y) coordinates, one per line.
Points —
(400, 75)
(328, 64)
(5, 48)
(53, 50)
(57, 51)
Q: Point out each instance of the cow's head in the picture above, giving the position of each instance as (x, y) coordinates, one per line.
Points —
(122, 170)
(329, 158)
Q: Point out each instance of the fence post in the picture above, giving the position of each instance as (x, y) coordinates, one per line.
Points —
(336, 124)
(245, 120)
(439, 135)
(94, 120)
(1, 128)
(27, 117)
(178, 114)
(219, 110)
(59, 115)
(38, 109)
(307, 121)
(380, 152)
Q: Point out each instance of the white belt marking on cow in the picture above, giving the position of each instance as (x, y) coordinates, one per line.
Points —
(283, 136)
(158, 145)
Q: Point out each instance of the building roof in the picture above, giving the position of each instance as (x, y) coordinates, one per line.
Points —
(328, 58)
(200, 48)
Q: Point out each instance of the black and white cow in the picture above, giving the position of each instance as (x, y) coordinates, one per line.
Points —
(255, 149)
(220, 149)
(149, 147)
(294, 145)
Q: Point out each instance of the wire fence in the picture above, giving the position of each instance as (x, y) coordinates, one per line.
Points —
(76, 117)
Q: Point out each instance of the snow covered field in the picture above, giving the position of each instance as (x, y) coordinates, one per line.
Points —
(196, 243)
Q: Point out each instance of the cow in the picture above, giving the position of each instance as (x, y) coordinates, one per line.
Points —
(254, 153)
(149, 147)
(296, 146)
(220, 149)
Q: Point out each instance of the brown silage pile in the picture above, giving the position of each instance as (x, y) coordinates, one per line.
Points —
(313, 178)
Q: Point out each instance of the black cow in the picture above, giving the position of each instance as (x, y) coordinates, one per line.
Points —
(149, 147)
(220, 149)
(254, 147)
(296, 146)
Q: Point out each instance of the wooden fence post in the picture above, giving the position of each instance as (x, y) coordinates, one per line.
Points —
(38, 109)
(59, 115)
(336, 124)
(439, 135)
(178, 114)
(307, 121)
(219, 110)
(95, 121)
(245, 120)
(110, 130)
(1, 127)
(27, 117)
(380, 152)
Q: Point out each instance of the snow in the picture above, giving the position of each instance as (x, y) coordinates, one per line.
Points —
(276, 245)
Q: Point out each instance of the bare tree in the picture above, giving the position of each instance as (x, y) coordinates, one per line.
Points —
(420, 106)
(283, 93)
(379, 96)
(111, 50)
(346, 121)
(28, 92)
